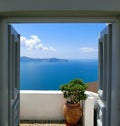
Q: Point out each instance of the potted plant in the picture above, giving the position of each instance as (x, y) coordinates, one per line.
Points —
(73, 92)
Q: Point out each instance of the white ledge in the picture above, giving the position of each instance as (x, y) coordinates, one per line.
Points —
(53, 92)
(40, 92)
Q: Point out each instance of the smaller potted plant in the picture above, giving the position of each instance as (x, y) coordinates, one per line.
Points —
(73, 92)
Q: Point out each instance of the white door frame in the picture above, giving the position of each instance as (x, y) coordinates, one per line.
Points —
(115, 114)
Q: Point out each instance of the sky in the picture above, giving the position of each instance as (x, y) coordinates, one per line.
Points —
(60, 40)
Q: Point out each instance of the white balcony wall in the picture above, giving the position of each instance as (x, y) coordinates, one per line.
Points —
(41, 105)
(48, 105)
(88, 112)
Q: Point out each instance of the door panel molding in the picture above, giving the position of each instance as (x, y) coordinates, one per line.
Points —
(13, 84)
(104, 82)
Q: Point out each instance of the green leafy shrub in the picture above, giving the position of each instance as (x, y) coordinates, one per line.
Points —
(74, 91)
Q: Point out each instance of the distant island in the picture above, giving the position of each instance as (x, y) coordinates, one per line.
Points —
(28, 59)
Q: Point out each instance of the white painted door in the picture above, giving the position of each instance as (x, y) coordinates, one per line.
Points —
(104, 91)
(13, 76)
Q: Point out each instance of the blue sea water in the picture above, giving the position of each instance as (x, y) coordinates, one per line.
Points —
(50, 75)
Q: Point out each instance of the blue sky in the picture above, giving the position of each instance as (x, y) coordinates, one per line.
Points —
(61, 40)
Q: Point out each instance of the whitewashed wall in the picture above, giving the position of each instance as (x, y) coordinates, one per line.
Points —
(41, 105)
(48, 105)
(88, 112)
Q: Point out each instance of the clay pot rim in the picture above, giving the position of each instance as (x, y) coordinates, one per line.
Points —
(72, 105)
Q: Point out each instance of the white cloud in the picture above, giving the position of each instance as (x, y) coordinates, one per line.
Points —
(88, 49)
(34, 43)
(52, 49)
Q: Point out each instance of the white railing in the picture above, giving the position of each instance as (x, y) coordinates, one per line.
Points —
(48, 105)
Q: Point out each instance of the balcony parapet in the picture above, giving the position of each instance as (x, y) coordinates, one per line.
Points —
(48, 105)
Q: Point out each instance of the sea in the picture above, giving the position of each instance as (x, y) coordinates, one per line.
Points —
(50, 75)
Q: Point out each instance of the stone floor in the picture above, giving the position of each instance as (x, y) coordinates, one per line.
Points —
(41, 123)
(46, 123)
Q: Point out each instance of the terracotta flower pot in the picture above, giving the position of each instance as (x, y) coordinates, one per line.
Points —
(72, 113)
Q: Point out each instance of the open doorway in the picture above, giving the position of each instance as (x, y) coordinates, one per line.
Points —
(88, 53)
